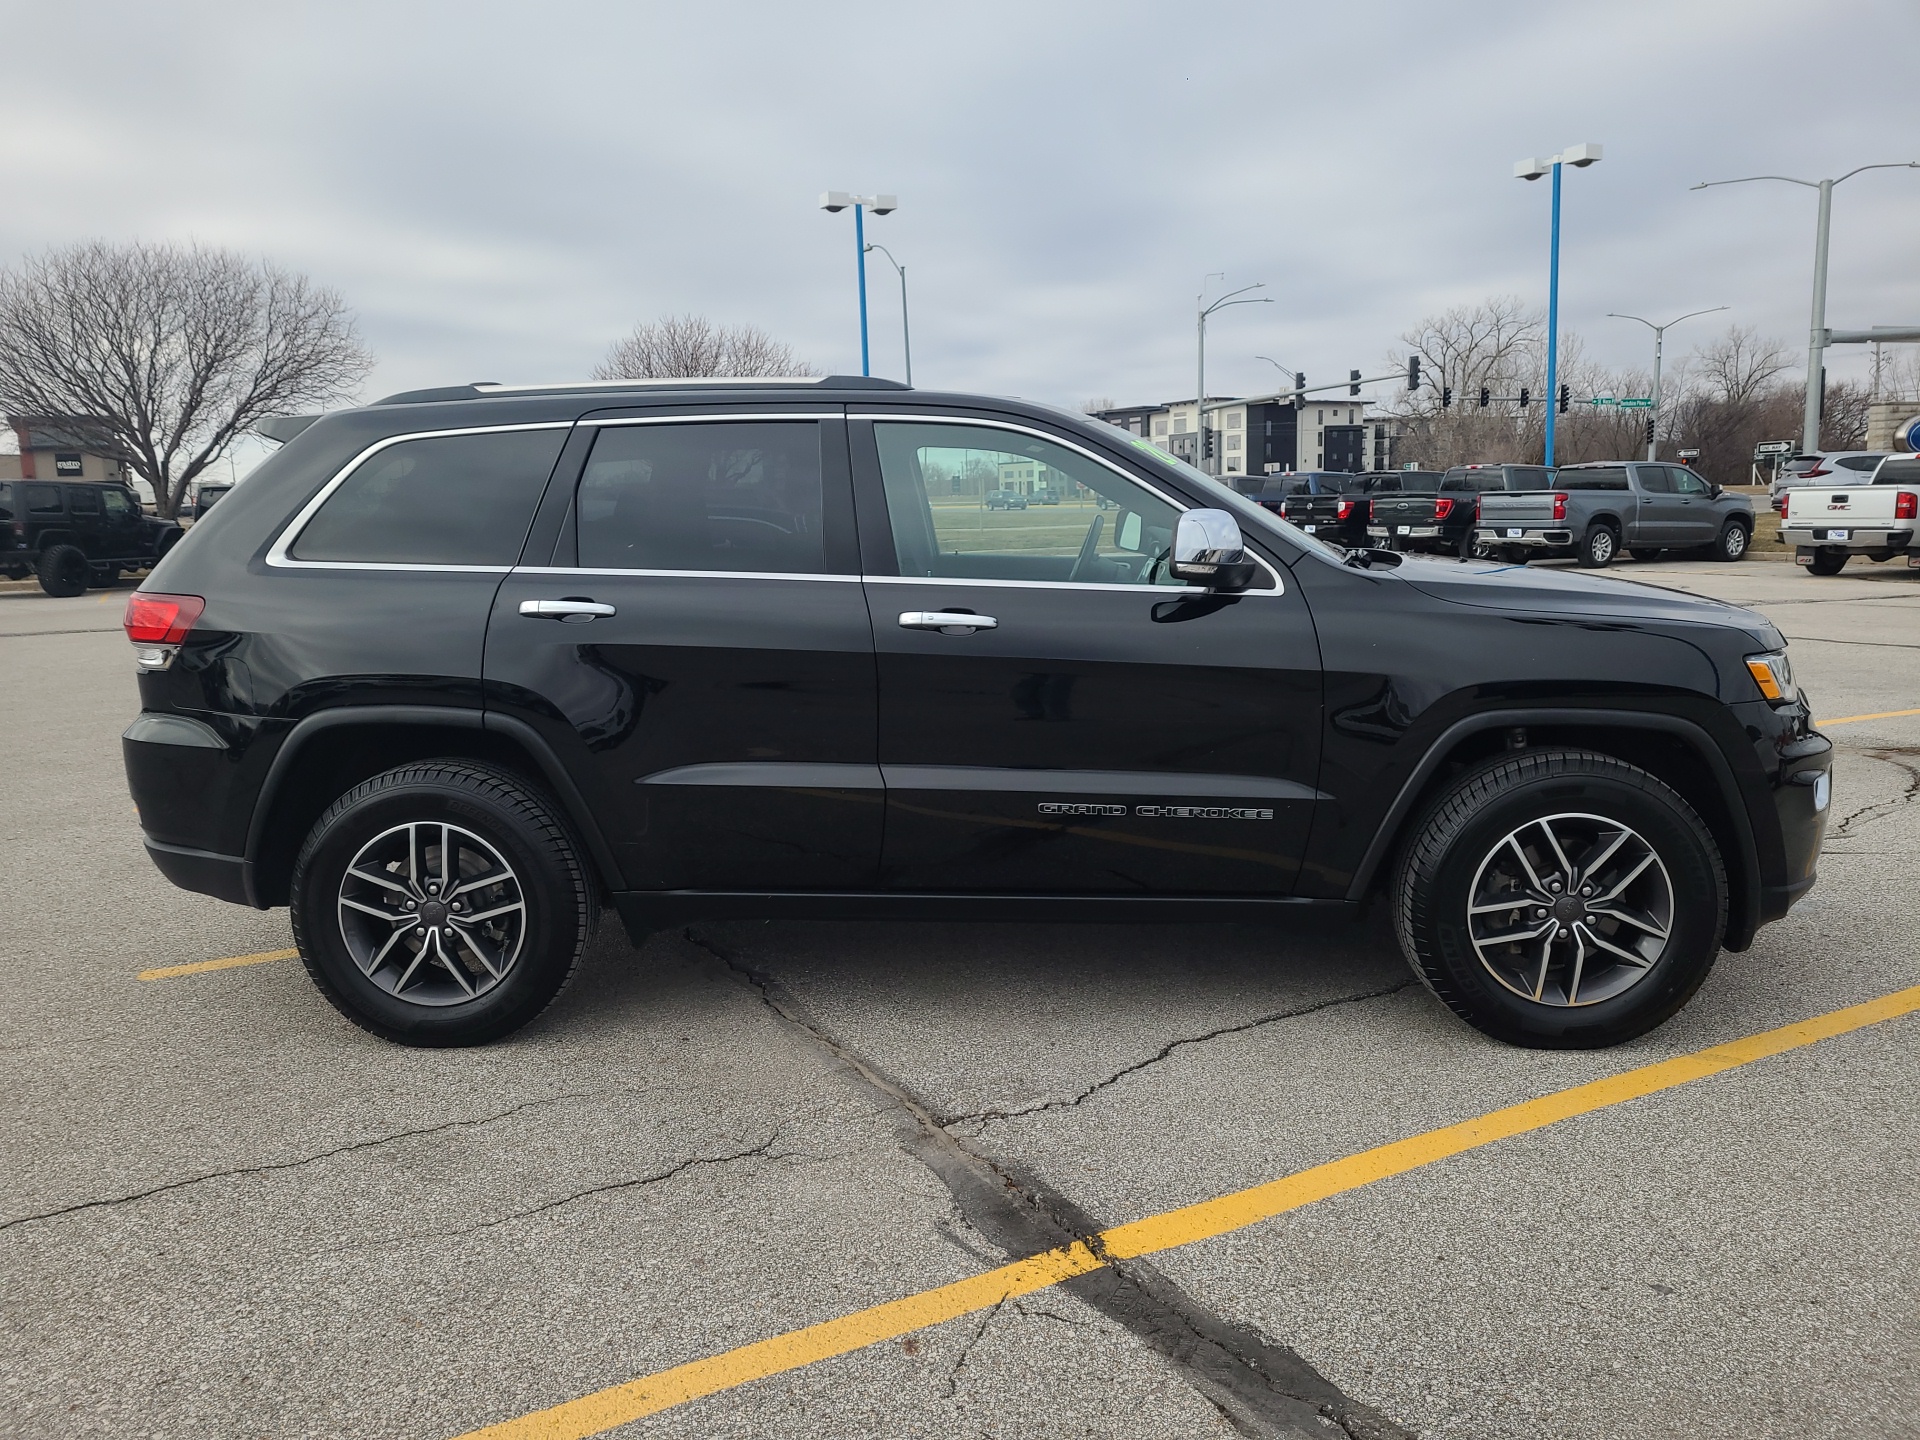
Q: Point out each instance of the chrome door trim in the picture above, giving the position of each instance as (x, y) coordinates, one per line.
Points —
(714, 419)
(279, 559)
(944, 620)
(682, 574)
(1167, 590)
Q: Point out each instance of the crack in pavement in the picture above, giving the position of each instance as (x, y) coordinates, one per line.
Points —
(966, 1350)
(1266, 1390)
(273, 1166)
(1167, 1050)
(1879, 809)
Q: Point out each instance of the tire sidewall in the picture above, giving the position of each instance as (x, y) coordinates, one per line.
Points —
(553, 924)
(1699, 905)
(64, 571)
(1733, 542)
(1591, 554)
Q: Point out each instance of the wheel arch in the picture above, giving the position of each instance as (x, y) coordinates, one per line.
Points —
(328, 753)
(1672, 748)
(1607, 519)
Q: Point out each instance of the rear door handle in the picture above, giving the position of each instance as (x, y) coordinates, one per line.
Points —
(574, 610)
(947, 620)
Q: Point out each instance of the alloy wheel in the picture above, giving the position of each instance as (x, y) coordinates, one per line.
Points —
(1570, 910)
(432, 913)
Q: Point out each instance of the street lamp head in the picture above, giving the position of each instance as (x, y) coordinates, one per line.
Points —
(835, 200)
(1530, 169)
(883, 204)
(1580, 156)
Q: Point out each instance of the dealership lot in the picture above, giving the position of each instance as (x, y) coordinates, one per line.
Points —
(224, 1211)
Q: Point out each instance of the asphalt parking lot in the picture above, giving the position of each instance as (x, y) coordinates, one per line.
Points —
(224, 1211)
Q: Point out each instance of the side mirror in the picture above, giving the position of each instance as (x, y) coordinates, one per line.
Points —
(1208, 551)
(1716, 491)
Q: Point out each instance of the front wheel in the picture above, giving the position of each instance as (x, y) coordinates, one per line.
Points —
(1733, 542)
(442, 903)
(1561, 900)
(1598, 549)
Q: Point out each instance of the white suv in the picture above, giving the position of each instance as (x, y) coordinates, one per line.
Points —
(1831, 467)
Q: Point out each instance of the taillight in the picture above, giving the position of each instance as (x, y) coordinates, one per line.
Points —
(1817, 470)
(1906, 505)
(1346, 509)
(1786, 497)
(1373, 509)
(1560, 506)
(1476, 509)
(161, 619)
(1442, 507)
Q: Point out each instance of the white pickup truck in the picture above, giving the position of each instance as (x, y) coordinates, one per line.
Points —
(1877, 519)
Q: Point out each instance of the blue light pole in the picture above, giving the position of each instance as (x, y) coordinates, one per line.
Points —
(835, 201)
(1579, 156)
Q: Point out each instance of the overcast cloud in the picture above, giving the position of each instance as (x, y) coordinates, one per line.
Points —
(500, 190)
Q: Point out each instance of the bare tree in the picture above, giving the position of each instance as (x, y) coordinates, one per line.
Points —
(1739, 366)
(685, 346)
(166, 353)
(1499, 345)
(1097, 404)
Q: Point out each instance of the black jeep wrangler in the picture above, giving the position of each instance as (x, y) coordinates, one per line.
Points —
(451, 672)
(74, 534)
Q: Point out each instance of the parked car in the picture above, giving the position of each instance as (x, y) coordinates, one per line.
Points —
(1342, 517)
(1442, 522)
(1829, 467)
(1596, 510)
(1876, 519)
(1006, 500)
(205, 497)
(1045, 495)
(698, 651)
(1275, 490)
(73, 534)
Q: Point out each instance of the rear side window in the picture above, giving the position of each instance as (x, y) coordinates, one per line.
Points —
(1860, 462)
(43, 500)
(1898, 472)
(1608, 477)
(84, 502)
(732, 495)
(440, 500)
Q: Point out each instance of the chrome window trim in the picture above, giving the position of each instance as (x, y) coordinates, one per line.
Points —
(279, 559)
(683, 574)
(1039, 584)
(709, 382)
(730, 416)
(1279, 585)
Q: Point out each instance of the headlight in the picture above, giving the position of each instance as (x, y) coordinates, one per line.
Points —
(1774, 676)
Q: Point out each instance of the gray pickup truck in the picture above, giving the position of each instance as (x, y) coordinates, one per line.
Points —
(1593, 512)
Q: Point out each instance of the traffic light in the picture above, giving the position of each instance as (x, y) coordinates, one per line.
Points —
(1353, 382)
(1446, 397)
(1413, 372)
(1649, 432)
(1525, 395)
(1299, 381)
(1206, 442)
(1566, 398)
(1486, 397)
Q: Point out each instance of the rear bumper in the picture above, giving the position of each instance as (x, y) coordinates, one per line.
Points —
(1820, 537)
(1406, 532)
(225, 877)
(1497, 535)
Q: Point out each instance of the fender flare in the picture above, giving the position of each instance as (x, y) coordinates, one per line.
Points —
(1740, 927)
(552, 772)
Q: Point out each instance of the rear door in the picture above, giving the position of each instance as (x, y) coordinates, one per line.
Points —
(695, 649)
(1082, 726)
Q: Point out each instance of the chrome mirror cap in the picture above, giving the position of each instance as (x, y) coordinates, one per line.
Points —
(1208, 550)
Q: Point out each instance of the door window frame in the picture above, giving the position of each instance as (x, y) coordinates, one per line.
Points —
(879, 559)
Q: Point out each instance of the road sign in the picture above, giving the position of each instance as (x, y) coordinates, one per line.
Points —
(1688, 454)
(1773, 447)
(1643, 403)
(1603, 400)
(1908, 435)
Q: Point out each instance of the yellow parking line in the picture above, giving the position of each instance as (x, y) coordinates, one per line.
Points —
(200, 967)
(618, 1404)
(1855, 719)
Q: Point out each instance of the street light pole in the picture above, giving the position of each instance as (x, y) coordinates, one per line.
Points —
(834, 201)
(1817, 333)
(1659, 339)
(906, 336)
(1200, 397)
(1579, 156)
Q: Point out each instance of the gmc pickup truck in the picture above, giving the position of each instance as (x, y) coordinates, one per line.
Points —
(1829, 527)
(1443, 521)
(1594, 511)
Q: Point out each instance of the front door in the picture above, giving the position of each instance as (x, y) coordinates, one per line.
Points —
(1662, 515)
(125, 526)
(1082, 724)
(1698, 521)
(697, 653)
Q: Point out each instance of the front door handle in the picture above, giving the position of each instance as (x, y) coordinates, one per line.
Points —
(574, 610)
(950, 622)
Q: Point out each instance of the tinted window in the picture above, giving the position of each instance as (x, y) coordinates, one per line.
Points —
(1476, 481)
(83, 502)
(1106, 530)
(1685, 482)
(724, 496)
(43, 500)
(118, 506)
(1800, 464)
(1860, 462)
(6, 502)
(1606, 477)
(447, 500)
(1898, 472)
(1654, 480)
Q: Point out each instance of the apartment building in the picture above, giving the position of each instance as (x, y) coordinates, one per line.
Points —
(1261, 435)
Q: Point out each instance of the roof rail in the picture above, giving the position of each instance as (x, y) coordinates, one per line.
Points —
(485, 389)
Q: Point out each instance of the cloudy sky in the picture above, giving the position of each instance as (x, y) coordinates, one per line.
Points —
(501, 190)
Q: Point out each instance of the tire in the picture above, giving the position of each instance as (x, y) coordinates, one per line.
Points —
(1645, 555)
(1598, 547)
(64, 571)
(1733, 542)
(431, 989)
(1465, 548)
(1461, 850)
(1825, 562)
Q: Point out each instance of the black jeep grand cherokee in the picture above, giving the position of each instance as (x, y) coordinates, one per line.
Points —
(451, 671)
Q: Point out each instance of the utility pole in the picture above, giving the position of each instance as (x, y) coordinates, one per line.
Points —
(834, 201)
(1659, 339)
(1200, 399)
(906, 336)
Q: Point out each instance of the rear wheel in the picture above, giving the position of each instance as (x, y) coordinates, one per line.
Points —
(1561, 900)
(64, 571)
(1599, 547)
(442, 903)
(1733, 542)
(1828, 561)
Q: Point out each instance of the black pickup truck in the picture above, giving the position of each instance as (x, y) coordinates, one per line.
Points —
(1442, 522)
(1340, 516)
(73, 534)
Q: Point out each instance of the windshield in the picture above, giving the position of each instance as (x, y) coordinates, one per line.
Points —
(1250, 515)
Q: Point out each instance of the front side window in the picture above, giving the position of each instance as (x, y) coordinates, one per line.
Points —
(117, 505)
(1685, 482)
(439, 500)
(1655, 481)
(732, 495)
(1107, 529)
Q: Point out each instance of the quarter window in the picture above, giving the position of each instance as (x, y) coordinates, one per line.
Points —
(439, 500)
(734, 495)
(1106, 529)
